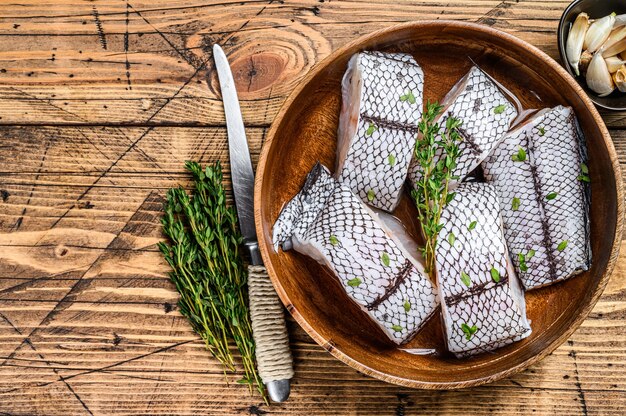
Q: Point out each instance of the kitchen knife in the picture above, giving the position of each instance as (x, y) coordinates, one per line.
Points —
(268, 321)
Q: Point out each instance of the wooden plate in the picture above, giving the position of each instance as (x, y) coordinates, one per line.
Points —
(305, 131)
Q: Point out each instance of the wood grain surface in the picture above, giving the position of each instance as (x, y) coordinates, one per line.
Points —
(100, 104)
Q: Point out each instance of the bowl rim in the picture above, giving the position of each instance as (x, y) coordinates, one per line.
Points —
(565, 63)
(328, 345)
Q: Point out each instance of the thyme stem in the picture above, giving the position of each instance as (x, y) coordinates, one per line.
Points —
(436, 152)
(207, 269)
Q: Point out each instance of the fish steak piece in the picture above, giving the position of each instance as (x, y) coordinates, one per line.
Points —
(482, 301)
(381, 107)
(545, 197)
(327, 222)
(486, 115)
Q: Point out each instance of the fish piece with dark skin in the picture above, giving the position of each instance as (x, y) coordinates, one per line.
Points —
(371, 259)
(486, 114)
(482, 302)
(381, 108)
(541, 176)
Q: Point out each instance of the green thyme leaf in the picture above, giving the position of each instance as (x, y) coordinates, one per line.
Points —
(466, 279)
(371, 195)
(391, 159)
(520, 156)
(522, 262)
(584, 178)
(371, 129)
(450, 197)
(354, 282)
(499, 109)
(530, 254)
(453, 123)
(551, 196)
(472, 225)
(515, 203)
(584, 168)
(397, 328)
(542, 131)
(385, 259)
(469, 331)
(408, 97)
(562, 245)
(407, 306)
(333, 240)
(451, 238)
(495, 274)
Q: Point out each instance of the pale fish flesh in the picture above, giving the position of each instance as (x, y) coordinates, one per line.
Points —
(482, 301)
(544, 197)
(486, 115)
(381, 107)
(327, 222)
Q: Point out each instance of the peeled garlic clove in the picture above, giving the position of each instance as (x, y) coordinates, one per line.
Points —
(598, 33)
(614, 49)
(619, 78)
(599, 79)
(620, 20)
(585, 59)
(613, 63)
(575, 39)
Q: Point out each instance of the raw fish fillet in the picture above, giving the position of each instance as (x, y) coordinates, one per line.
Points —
(486, 115)
(481, 299)
(381, 107)
(327, 222)
(547, 227)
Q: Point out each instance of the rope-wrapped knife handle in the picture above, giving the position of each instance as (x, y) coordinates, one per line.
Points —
(268, 327)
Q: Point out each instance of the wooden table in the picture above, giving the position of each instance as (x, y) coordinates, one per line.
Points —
(101, 102)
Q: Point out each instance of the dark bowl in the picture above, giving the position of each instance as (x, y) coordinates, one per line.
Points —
(595, 9)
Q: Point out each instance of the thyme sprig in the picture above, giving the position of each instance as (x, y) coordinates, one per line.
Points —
(436, 151)
(207, 269)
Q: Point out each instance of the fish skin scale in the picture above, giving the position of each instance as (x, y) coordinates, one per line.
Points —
(361, 243)
(382, 90)
(497, 309)
(365, 168)
(514, 180)
(301, 211)
(542, 224)
(484, 126)
(497, 320)
(373, 164)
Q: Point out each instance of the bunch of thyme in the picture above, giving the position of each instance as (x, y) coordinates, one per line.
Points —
(207, 269)
(436, 151)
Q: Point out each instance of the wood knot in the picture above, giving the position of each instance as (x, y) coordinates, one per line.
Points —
(258, 71)
(60, 251)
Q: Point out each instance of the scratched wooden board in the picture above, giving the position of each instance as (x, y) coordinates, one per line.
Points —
(100, 104)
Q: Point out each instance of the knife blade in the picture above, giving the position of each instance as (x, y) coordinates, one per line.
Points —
(267, 317)
(240, 163)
